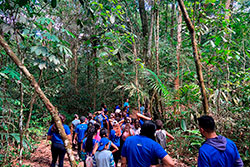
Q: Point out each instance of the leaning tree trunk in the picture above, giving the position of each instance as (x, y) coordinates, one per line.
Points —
(52, 109)
(196, 56)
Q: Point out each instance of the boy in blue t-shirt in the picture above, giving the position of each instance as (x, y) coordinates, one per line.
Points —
(103, 157)
(80, 132)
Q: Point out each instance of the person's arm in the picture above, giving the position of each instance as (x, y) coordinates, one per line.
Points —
(75, 138)
(123, 161)
(71, 128)
(115, 147)
(143, 116)
(121, 122)
(170, 137)
(95, 148)
(168, 161)
(104, 115)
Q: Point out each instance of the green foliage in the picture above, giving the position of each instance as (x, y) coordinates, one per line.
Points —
(83, 51)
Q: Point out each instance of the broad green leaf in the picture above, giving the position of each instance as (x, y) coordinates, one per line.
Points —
(183, 125)
(53, 3)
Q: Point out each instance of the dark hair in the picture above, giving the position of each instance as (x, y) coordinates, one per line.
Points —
(54, 128)
(159, 124)
(148, 129)
(97, 126)
(90, 124)
(75, 116)
(90, 116)
(103, 132)
(82, 119)
(103, 105)
(89, 142)
(207, 123)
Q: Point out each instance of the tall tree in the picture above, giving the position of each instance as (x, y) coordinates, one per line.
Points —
(144, 22)
(178, 53)
(196, 56)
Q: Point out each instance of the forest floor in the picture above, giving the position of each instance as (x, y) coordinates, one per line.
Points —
(41, 157)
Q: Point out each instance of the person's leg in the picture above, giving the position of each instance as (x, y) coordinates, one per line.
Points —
(73, 145)
(61, 154)
(79, 149)
(116, 156)
(55, 153)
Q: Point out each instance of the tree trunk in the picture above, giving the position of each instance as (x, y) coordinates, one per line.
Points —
(136, 76)
(144, 21)
(150, 33)
(166, 17)
(178, 52)
(48, 104)
(32, 101)
(196, 56)
(172, 21)
(74, 52)
(94, 42)
(227, 62)
(157, 53)
(21, 121)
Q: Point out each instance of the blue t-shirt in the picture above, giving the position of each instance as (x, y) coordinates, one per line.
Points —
(141, 122)
(115, 139)
(56, 138)
(80, 130)
(126, 105)
(210, 156)
(141, 151)
(84, 145)
(100, 118)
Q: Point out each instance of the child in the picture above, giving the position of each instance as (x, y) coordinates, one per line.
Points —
(103, 157)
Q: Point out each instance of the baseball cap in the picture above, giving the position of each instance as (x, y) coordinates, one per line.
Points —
(117, 111)
(103, 142)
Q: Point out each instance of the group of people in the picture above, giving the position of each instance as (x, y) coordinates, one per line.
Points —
(103, 139)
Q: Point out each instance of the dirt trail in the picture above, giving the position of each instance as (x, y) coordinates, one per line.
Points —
(42, 157)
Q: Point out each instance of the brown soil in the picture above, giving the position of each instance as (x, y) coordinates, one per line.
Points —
(42, 157)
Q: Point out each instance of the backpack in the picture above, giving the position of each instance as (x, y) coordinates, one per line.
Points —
(160, 137)
(89, 161)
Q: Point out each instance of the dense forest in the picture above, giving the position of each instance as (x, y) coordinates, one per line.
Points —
(179, 59)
